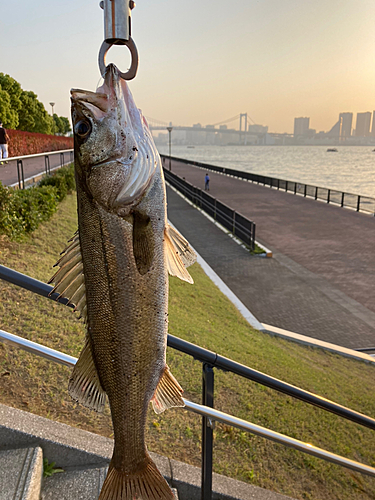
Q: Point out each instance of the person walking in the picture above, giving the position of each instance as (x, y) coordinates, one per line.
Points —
(4, 139)
(207, 183)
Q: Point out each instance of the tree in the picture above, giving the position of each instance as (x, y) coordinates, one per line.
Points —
(21, 109)
(8, 116)
(33, 116)
(62, 125)
(14, 91)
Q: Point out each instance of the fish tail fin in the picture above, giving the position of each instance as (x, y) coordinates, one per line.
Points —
(143, 484)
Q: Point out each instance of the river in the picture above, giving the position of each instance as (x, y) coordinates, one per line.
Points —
(350, 169)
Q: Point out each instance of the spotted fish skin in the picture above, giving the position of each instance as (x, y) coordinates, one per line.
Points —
(120, 286)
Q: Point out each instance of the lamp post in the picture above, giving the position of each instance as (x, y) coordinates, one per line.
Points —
(52, 104)
(170, 128)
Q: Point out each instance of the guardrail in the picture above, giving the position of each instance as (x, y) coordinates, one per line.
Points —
(209, 360)
(64, 154)
(345, 200)
(236, 223)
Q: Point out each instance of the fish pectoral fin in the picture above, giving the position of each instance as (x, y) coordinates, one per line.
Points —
(179, 254)
(143, 242)
(84, 384)
(168, 393)
(69, 280)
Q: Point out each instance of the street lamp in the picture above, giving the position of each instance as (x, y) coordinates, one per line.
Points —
(52, 105)
(170, 128)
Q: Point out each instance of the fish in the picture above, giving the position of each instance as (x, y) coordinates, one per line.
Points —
(115, 272)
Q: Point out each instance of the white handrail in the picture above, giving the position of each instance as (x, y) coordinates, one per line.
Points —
(47, 153)
(211, 413)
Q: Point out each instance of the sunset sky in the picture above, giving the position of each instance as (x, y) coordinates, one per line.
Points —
(204, 61)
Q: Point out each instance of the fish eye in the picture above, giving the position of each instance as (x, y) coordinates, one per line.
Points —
(82, 128)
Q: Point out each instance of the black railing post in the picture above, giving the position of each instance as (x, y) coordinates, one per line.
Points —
(358, 203)
(316, 193)
(329, 196)
(19, 173)
(305, 191)
(253, 226)
(207, 432)
(47, 164)
(342, 199)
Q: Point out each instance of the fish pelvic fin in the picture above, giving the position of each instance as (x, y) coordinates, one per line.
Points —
(84, 385)
(145, 483)
(179, 254)
(69, 280)
(168, 393)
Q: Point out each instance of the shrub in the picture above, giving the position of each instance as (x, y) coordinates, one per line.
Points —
(62, 179)
(27, 143)
(22, 211)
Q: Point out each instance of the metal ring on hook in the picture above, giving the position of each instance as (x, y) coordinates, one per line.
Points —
(130, 74)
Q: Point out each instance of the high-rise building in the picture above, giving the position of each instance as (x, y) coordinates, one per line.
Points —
(362, 127)
(301, 126)
(346, 120)
(373, 124)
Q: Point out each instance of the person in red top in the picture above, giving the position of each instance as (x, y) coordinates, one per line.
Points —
(4, 139)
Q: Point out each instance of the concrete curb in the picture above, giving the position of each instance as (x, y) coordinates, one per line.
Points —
(303, 339)
(74, 449)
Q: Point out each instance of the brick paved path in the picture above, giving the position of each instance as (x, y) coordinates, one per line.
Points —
(321, 281)
(31, 167)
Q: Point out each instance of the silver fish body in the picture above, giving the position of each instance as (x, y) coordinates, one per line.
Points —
(116, 272)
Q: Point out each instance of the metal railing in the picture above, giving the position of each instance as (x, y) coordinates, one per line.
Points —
(64, 155)
(209, 360)
(345, 200)
(237, 224)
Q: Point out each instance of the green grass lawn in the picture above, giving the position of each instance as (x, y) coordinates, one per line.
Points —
(200, 314)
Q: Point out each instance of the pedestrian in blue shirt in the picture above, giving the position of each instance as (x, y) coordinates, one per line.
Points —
(207, 183)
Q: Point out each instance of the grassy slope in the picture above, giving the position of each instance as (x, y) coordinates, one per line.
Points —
(199, 314)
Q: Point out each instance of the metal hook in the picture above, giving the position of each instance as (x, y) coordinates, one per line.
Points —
(132, 71)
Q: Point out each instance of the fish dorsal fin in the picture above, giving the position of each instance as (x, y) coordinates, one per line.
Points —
(84, 384)
(69, 279)
(179, 254)
(168, 393)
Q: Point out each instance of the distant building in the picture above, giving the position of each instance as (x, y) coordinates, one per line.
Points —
(373, 124)
(335, 130)
(346, 120)
(257, 129)
(362, 127)
(301, 126)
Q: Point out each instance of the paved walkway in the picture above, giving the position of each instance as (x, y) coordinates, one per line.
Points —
(321, 280)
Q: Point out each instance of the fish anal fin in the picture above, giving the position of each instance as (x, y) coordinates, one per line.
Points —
(175, 265)
(145, 483)
(168, 393)
(84, 384)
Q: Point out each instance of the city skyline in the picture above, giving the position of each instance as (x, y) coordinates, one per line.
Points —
(274, 60)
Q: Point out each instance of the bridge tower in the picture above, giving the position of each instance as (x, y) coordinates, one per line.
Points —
(243, 117)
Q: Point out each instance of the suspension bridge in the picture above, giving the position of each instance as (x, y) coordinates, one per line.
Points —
(237, 129)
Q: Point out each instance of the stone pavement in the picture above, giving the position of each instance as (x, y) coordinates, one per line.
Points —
(320, 282)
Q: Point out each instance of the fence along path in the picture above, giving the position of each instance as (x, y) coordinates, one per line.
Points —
(334, 244)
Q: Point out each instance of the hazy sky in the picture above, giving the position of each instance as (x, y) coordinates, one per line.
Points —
(204, 61)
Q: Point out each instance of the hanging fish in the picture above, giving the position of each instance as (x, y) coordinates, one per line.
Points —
(115, 271)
